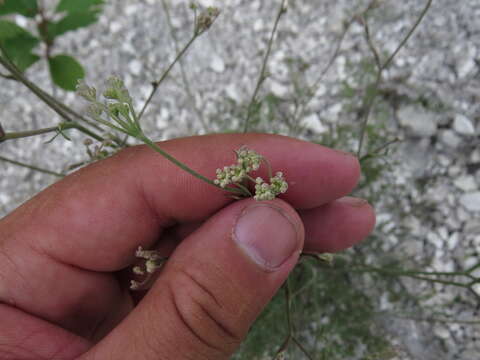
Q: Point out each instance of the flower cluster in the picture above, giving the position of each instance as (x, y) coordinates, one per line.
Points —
(247, 160)
(264, 191)
(236, 174)
(205, 19)
(153, 262)
(116, 90)
(116, 111)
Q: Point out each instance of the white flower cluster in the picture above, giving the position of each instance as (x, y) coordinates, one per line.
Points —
(153, 262)
(264, 191)
(247, 160)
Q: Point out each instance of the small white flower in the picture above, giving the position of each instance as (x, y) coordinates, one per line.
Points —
(137, 270)
(151, 266)
(247, 161)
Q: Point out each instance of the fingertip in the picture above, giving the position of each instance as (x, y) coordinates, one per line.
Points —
(338, 225)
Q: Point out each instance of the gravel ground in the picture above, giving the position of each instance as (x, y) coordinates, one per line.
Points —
(432, 88)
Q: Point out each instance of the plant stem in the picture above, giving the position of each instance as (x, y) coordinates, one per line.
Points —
(378, 149)
(181, 165)
(156, 84)
(31, 167)
(261, 76)
(28, 133)
(290, 336)
(428, 319)
(302, 348)
(60, 108)
(369, 100)
(302, 106)
(422, 275)
(186, 83)
(60, 127)
(8, 77)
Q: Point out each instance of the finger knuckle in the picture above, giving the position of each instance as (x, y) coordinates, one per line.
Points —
(202, 312)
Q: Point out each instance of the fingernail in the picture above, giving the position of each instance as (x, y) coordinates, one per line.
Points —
(266, 235)
(352, 201)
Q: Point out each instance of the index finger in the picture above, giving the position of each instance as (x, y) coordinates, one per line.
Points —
(97, 217)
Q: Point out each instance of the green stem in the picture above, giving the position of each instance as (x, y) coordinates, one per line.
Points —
(31, 167)
(57, 106)
(8, 77)
(181, 165)
(156, 84)
(378, 149)
(369, 100)
(244, 189)
(28, 133)
(60, 127)
(261, 77)
(54, 104)
(183, 73)
(302, 348)
(409, 34)
(419, 275)
(428, 319)
(312, 90)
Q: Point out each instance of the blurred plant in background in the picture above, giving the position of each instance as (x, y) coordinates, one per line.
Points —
(22, 47)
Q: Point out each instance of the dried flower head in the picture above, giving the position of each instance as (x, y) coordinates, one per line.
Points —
(87, 92)
(153, 261)
(206, 19)
(116, 90)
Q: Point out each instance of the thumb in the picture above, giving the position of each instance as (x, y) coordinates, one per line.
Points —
(213, 286)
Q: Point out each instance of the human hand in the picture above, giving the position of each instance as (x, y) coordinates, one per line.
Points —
(65, 255)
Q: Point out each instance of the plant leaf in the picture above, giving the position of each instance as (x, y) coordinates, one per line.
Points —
(9, 29)
(73, 21)
(26, 8)
(65, 71)
(18, 48)
(75, 6)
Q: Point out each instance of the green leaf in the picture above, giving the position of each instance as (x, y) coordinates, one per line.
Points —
(73, 21)
(18, 48)
(26, 8)
(9, 29)
(26, 60)
(73, 6)
(65, 71)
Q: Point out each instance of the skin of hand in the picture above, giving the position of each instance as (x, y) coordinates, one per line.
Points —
(66, 255)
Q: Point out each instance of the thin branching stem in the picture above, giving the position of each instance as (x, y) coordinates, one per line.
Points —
(183, 73)
(31, 167)
(262, 76)
(62, 126)
(302, 348)
(379, 149)
(181, 165)
(429, 319)
(301, 106)
(430, 276)
(60, 108)
(369, 98)
(156, 84)
(7, 77)
(290, 330)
